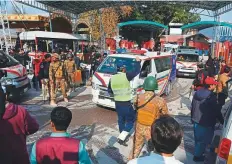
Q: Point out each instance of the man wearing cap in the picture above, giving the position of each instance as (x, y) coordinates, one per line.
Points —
(205, 111)
(57, 78)
(119, 85)
(44, 75)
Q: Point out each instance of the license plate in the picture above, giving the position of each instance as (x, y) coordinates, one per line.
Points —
(186, 74)
(25, 90)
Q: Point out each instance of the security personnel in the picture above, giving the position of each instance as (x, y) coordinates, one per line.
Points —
(62, 56)
(149, 108)
(120, 87)
(57, 78)
(71, 68)
(44, 75)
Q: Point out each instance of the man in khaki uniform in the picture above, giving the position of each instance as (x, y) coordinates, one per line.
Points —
(71, 68)
(150, 107)
(57, 78)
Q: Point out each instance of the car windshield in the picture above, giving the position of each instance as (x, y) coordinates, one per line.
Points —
(111, 65)
(188, 58)
(8, 60)
(168, 49)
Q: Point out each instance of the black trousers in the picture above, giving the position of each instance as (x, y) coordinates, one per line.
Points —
(85, 76)
(222, 99)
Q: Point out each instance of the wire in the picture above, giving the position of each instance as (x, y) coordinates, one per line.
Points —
(19, 14)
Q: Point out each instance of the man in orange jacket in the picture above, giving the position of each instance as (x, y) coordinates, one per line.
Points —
(222, 86)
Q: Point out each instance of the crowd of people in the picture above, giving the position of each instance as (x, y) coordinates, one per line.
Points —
(163, 131)
(152, 122)
(148, 115)
(211, 92)
(62, 71)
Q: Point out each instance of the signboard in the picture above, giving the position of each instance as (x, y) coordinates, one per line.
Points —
(175, 31)
(16, 17)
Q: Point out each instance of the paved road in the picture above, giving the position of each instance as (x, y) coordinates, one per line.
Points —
(97, 127)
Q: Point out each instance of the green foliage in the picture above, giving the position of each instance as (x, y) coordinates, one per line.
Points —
(163, 14)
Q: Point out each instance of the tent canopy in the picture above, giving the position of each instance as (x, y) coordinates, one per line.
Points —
(148, 25)
(77, 7)
(205, 24)
(31, 35)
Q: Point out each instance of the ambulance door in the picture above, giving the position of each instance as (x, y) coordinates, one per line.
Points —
(146, 70)
(163, 69)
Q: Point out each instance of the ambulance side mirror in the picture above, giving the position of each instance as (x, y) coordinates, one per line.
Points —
(143, 73)
(3, 63)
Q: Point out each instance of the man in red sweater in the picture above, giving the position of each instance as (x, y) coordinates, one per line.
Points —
(59, 148)
(15, 124)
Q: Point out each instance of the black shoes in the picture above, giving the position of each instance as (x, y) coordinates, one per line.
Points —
(199, 159)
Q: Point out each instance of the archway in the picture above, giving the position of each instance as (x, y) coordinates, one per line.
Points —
(82, 27)
(61, 24)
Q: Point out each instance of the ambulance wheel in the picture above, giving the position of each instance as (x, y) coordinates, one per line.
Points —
(168, 89)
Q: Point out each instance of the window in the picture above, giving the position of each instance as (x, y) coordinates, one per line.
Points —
(163, 64)
(188, 57)
(111, 64)
(7, 60)
(146, 69)
(146, 66)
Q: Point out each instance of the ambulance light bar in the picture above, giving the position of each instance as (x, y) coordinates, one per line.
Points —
(188, 51)
(138, 52)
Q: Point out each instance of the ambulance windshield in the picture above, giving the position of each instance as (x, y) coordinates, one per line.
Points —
(112, 65)
(188, 57)
(7, 60)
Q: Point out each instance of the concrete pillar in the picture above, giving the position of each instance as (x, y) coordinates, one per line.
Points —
(50, 22)
(216, 33)
(117, 37)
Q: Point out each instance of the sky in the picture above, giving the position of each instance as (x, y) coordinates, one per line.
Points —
(29, 10)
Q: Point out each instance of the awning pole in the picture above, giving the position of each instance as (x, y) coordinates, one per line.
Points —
(50, 22)
(215, 35)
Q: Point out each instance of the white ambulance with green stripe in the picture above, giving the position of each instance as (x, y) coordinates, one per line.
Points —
(162, 66)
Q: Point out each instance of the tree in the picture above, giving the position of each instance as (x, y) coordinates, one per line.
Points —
(163, 14)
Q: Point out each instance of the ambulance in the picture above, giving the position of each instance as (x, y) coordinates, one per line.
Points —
(186, 62)
(16, 75)
(162, 66)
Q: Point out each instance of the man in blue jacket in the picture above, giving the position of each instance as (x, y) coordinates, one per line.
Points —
(205, 112)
